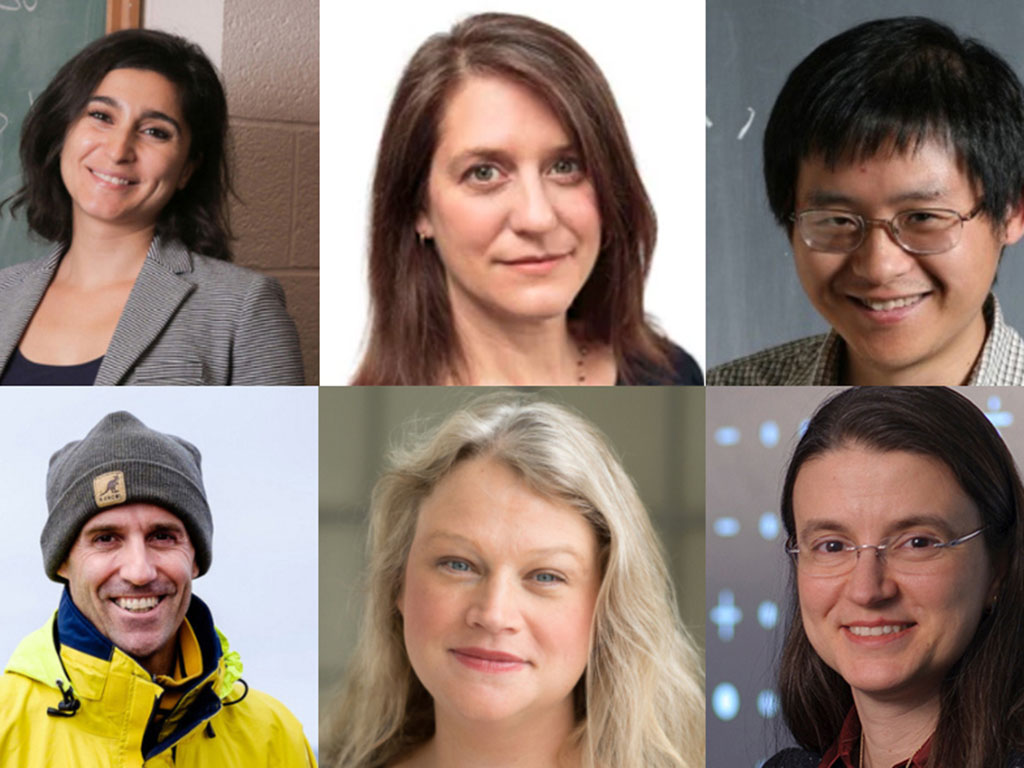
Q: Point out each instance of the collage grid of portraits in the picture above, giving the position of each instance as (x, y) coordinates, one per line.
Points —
(613, 587)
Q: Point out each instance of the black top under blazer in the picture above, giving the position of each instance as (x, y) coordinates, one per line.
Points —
(189, 319)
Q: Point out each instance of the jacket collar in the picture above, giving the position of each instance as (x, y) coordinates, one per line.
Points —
(159, 290)
(74, 630)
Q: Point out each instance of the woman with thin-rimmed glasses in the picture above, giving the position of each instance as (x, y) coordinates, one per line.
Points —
(902, 511)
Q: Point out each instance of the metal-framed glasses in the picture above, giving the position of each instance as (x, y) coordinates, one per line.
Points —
(920, 232)
(908, 553)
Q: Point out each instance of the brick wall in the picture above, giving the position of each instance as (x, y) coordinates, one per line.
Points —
(271, 67)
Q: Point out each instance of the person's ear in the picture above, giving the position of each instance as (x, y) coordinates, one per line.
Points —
(1013, 224)
(424, 229)
(63, 571)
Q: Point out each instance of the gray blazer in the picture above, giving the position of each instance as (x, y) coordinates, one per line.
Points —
(189, 319)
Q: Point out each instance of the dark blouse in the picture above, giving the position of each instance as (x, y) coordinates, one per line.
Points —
(685, 371)
(21, 371)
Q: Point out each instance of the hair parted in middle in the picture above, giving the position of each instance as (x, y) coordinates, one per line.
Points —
(640, 703)
(982, 698)
(890, 85)
(412, 338)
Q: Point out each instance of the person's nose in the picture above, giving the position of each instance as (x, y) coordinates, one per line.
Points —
(870, 581)
(533, 211)
(494, 605)
(120, 143)
(880, 259)
(137, 566)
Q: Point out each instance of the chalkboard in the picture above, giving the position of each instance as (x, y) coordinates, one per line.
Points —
(754, 297)
(36, 38)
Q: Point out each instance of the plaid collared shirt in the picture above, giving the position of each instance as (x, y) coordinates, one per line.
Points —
(815, 361)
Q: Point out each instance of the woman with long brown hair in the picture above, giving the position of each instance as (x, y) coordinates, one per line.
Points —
(902, 507)
(511, 234)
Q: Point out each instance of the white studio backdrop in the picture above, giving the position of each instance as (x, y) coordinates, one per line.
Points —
(259, 458)
(653, 57)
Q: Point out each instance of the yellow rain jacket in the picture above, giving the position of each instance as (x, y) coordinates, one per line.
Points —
(69, 697)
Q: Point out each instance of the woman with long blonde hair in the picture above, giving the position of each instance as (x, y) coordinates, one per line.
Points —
(518, 606)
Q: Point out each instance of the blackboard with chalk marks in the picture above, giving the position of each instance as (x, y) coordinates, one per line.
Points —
(36, 38)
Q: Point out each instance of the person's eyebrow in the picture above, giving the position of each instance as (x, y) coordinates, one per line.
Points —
(149, 114)
(557, 549)
(101, 529)
(478, 154)
(825, 198)
(900, 524)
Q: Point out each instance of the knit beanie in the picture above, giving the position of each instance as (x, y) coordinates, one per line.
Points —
(122, 461)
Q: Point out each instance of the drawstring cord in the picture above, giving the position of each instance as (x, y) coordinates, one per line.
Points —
(241, 698)
(69, 704)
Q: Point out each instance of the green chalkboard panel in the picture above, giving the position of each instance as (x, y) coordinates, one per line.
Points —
(36, 37)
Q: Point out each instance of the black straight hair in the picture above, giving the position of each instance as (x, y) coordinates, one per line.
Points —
(196, 215)
(891, 85)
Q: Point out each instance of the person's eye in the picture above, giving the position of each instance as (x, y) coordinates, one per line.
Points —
(916, 541)
(567, 167)
(828, 546)
(548, 578)
(103, 538)
(455, 565)
(839, 221)
(165, 537)
(157, 133)
(99, 114)
(483, 174)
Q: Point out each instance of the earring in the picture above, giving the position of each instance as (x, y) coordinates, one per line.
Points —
(423, 239)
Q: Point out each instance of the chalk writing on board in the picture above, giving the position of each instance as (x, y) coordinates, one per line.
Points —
(18, 5)
(746, 125)
(3, 123)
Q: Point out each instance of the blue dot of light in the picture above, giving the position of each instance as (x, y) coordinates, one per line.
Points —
(768, 526)
(768, 614)
(769, 434)
(726, 527)
(727, 435)
(1000, 418)
(767, 703)
(726, 615)
(725, 701)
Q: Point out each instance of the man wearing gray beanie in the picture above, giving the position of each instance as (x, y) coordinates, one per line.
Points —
(130, 670)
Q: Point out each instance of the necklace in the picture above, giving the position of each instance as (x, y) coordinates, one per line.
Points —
(860, 760)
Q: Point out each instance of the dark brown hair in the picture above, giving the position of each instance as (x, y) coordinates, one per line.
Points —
(196, 215)
(982, 697)
(412, 339)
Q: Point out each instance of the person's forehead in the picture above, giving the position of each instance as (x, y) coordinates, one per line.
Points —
(923, 154)
(137, 515)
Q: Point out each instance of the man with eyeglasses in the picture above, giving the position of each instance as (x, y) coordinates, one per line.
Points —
(894, 157)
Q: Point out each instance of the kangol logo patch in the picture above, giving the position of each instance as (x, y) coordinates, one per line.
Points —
(108, 489)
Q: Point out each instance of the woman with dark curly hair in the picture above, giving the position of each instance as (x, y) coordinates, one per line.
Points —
(125, 169)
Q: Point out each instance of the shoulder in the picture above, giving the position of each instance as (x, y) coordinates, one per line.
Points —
(683, 369)
(791, 363)
(216, 276)
(793, 758)
(14, 274)
(262, 719)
